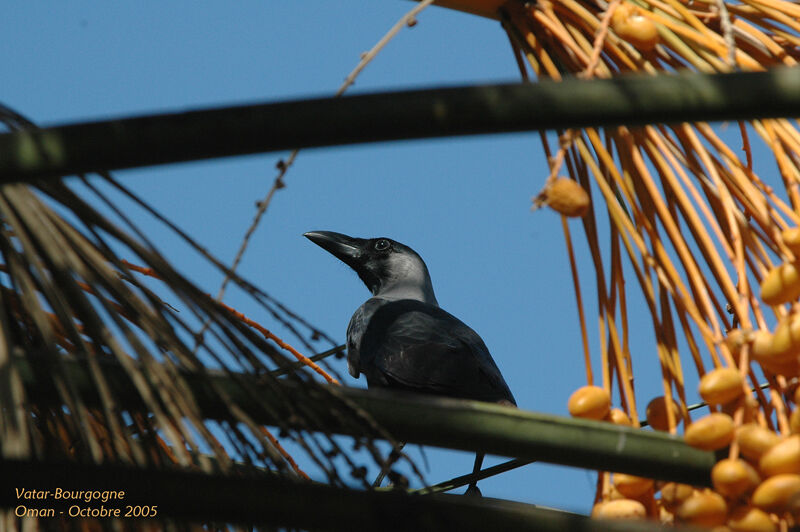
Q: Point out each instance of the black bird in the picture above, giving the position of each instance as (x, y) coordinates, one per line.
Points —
(400, 338)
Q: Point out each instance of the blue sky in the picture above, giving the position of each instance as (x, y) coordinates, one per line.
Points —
(463, 204)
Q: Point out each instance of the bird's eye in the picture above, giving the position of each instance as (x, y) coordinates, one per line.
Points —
(382, 245)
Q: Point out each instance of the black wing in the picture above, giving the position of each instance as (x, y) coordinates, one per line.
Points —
(411, 345)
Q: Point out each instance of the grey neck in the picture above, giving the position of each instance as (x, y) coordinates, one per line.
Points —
(409, 290)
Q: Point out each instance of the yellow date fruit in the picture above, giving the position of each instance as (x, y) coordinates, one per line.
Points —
(721, 385)
(754, 440)
(631, 485)
(704, 508)
(781, 284)
(778, 493)
(750, 519)
(781, 458)
(567, 197)
(734, 478)
(629, 23)
(619, 509)
(711, 432)
(590, 402)
(657, 413)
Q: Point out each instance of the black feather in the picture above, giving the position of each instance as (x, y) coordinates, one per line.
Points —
(412, 345)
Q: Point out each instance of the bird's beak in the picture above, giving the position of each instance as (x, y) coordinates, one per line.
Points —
(345, 248)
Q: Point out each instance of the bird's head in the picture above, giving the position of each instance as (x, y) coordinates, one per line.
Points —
(388, 268)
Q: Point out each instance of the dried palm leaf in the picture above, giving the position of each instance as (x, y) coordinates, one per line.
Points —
(68, 295)
(702, 226)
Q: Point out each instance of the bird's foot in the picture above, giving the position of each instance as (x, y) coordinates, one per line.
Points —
(473, 491)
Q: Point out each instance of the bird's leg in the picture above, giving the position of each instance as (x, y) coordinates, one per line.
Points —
(472, 489)
(473, 486)
(394, 456)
